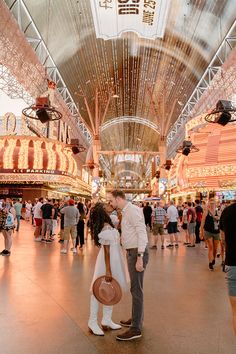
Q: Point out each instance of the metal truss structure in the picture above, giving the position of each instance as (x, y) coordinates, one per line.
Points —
(130, 119)
(10, 86)
(27, 25)
(176, 135)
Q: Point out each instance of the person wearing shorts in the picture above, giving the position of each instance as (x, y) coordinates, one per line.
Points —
(227, 231)
(191, 217)
(71, 219)
(172, 226)
(210, 231)
(38, 220)
(158, 221)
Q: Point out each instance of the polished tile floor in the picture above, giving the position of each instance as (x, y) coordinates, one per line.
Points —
(44, 303)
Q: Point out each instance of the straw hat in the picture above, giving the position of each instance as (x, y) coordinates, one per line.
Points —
(108, 293)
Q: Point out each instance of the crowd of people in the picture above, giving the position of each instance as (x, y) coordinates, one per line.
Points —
(46, 215)
(209, 222)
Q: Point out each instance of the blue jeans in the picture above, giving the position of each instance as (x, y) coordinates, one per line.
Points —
(18, 222)
(136, 280)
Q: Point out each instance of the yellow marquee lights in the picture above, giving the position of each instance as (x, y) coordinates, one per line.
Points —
(8, 154)
(220, 170)
(38, 154)
(51, 156)
(24, 153)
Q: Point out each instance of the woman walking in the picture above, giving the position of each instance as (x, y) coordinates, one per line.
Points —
(210, 231)
(108, 239)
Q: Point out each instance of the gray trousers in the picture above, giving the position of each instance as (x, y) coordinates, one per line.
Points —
(136, 289)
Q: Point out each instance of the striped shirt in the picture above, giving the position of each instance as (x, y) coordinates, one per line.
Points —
(159, 215)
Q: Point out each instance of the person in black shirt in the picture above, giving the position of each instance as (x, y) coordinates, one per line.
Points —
(199, 213)
(147, 212)
(47, 217)
(228, 235)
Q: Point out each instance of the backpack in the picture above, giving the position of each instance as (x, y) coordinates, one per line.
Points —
(3, 218)
(9, 224)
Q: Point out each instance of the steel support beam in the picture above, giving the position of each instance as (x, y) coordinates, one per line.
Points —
(130, 119)
(176, 134)
(125, 152)
(27, 25)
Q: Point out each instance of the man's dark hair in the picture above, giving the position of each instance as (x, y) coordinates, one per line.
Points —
(118, 193)
(40, 199)
(197, 201)
(189, 204)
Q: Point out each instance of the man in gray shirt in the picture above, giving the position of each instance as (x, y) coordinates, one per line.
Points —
(71, 218)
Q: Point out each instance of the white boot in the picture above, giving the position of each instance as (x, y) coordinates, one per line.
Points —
(93, 323)
(106, 319)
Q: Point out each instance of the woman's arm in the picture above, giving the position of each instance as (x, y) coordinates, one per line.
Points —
(107, 262)
(202, 224)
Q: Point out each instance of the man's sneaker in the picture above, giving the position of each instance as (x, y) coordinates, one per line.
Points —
(63, 251)
(211, 266)
(176, 245)
(187, 243)
(162, 247)
(126, 323)
(129, 335)
(49, 241)
(2, 252)
(43, 240)
(191, 246)
(5, 253)
(74, 250)
(153, 247)
(170, 246)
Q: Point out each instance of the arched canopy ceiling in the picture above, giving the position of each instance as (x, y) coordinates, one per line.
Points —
(152, 78)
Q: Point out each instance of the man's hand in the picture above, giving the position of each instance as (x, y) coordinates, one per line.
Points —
(139, 264)
(108, 277)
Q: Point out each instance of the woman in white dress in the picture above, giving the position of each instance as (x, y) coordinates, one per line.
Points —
(108, 238)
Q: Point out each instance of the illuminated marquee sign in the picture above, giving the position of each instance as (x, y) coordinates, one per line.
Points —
(145, 17)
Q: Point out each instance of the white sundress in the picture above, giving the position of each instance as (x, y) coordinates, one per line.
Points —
(117, 259)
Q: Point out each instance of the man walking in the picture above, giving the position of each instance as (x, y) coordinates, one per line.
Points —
(172, 215)
(47, 216)
(147, 212)
(158, 221)
(18, 207)
(191, 217)
(38, 220)
(199, 213)
(134, 240)
(71, 219)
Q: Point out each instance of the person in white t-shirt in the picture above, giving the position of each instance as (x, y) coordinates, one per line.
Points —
(172, 216)
(38, 219)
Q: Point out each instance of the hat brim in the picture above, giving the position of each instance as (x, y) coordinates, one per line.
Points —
(116, 287)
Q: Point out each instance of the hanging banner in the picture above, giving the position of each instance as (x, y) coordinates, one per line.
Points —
(147, 18)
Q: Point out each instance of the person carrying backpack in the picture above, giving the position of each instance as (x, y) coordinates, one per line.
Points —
(7, 226)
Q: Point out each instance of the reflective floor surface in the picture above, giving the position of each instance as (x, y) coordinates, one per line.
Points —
(44, 303)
